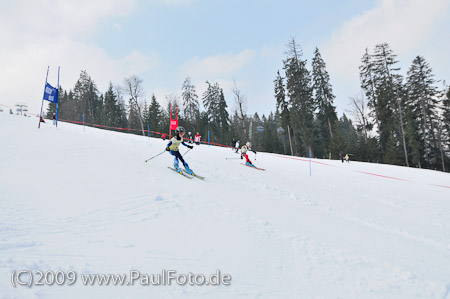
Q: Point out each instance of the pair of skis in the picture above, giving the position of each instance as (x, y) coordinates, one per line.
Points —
(263, 169)
(187, 175)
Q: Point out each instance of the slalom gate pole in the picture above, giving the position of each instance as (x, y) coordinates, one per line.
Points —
(57, 97)
(155, 156)
(42, 104)
(309, 161)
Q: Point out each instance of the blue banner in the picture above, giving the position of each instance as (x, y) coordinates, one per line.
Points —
(51, 93)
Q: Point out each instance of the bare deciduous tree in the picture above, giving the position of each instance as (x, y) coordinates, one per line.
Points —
(119, 91)
(240, 102)
(173, 100)
(400, 114)
(133, 86)
(360, 112)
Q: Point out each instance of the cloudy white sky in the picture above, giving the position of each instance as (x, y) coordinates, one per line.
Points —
(163, 41)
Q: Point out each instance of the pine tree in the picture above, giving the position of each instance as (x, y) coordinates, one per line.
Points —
(110, 107)
(155, 116)
(367, 76)
(257, 140)
(412, 137)
(63, 104)
(387, 92)
(299, 91)
(146, 115)
(439, 140)
(349, 133)
(121, 112)
(337, 144)
(422, 97)
(393, 153)
(323, 96)
(211, 99)
(446, 114)
(203, 125)
(86, 99)
(269, 138)
(191, 107)
(382, 86)
(281, 139)
(445, 123)
(223, 118)
(282, 103)
(68, 109)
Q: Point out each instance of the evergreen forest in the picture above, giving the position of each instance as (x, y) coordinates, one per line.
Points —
(399, 118)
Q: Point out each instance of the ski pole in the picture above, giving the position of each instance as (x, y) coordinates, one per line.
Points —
(155, 156)
(187, 152)
(231, 158)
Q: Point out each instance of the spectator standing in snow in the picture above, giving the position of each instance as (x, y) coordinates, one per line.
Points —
(237, 146)
(197, 139)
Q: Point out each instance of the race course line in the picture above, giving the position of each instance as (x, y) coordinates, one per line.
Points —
(368, 173)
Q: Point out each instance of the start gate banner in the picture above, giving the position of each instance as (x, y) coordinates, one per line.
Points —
(173, 124)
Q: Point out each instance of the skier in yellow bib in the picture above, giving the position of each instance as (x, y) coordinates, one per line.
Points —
(173, 146)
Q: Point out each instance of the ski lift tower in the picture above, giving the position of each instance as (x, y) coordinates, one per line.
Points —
(21, 107)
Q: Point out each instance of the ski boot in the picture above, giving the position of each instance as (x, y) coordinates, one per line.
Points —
(177, 168)
(249, 164)
(188, 170)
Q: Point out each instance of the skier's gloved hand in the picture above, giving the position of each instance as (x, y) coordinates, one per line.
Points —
(242, 157)
(190, 146)
(167, 149)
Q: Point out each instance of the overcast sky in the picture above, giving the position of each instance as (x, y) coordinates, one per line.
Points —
(163, 41)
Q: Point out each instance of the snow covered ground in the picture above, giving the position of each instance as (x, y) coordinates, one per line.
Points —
(85, 201)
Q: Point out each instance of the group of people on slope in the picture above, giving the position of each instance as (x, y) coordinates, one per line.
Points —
(346, 157)
(174, 144)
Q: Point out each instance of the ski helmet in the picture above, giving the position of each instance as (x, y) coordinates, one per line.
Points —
(249, 144)
(178, 130)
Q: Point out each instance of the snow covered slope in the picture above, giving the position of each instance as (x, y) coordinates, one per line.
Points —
(85, 201)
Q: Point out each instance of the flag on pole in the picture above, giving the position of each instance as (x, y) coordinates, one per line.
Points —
(50, 93)
(173, 124)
